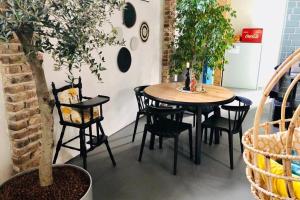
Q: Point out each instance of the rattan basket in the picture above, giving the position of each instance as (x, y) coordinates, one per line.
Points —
(263, 188)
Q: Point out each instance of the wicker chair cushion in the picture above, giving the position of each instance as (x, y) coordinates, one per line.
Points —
(275, 143)
(279, 185)
(73, 115)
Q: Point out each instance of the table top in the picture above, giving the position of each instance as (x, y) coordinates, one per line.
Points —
(168, 93)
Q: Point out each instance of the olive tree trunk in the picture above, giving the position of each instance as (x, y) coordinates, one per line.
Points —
(45, 106)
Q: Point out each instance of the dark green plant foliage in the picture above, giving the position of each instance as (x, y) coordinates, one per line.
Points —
(70, 30)
(204, 32)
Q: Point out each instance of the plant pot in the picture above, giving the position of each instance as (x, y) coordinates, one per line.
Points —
(69, 177)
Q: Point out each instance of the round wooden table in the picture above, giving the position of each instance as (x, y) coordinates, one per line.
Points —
(169, 93)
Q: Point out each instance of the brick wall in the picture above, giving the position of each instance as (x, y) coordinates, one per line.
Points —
(23, 119)
(291, 34)
(168, 37)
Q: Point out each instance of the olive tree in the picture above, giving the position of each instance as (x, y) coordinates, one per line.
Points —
(69, 30)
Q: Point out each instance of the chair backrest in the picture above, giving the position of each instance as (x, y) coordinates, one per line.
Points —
(58, 91)
(239, 108)
(140, 97)
(154, 113)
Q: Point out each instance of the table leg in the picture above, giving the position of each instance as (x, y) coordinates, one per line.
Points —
(217, 112)
(198, 143)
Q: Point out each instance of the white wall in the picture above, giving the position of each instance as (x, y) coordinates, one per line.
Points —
(145, 69)
(5, 150)
(269, 15)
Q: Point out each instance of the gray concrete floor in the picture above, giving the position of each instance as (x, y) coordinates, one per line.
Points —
(152, 179)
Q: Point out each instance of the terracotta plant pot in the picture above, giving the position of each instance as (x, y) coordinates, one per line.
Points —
(68, 176)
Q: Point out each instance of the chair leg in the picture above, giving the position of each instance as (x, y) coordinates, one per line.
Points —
(230, 142)
(152, 141)
(135, 126)
(97, 131)
(172, 117)
(101, 128)
(91, 138)
(181, 117)
(191, 143)
(59, 143)
(175, 154)
(194, 120)
(217, 136)
(205, 130)
(102, 131)
(83, 148)
(110, 153)
(205, 135)
(241, 135)
(143, 144)
(160, 142)
(211, 137)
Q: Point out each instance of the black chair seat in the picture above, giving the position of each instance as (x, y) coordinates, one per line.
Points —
(168, 128)
(217, 122)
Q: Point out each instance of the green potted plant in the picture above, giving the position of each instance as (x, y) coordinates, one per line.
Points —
(71, 31)
(203, 34)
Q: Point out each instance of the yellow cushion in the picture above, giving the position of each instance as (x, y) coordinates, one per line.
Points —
(71, 96)
(279, 186)
(74, 116)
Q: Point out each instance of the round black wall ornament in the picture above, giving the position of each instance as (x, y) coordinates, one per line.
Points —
(144, 32)
(129, 15)
(124, 59)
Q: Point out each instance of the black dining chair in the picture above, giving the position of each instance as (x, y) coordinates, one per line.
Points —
(140, 97)
(78, 111)
(160, 125)
(237, 111)
(206, 111)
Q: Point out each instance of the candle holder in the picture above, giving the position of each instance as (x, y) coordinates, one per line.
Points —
(187, 81)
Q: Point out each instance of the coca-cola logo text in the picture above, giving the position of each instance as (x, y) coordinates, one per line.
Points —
(252, 36)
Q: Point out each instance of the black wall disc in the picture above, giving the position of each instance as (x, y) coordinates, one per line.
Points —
(129, 15)
(124, 59)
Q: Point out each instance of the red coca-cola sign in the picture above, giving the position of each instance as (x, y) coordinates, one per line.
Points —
(253, 35)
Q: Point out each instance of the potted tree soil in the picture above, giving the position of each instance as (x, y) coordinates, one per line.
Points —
(71, 31)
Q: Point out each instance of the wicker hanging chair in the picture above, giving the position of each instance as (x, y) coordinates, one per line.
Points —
(268, 153)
